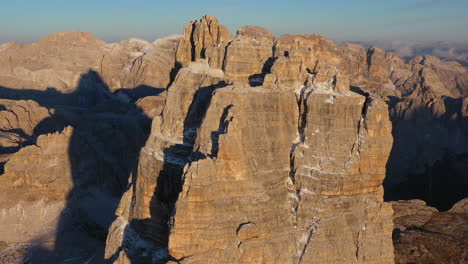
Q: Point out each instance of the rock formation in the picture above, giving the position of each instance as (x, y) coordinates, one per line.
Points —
(60, 191)
(59, 60)
(18, 120)
(262, 149)
(424, 235)
(234, 173)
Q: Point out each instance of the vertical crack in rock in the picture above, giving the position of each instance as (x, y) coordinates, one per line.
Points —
(172, 176)
(312, 228)
(361, 234)
(223, 65)
(223, 128)
(361, 130)
(358, 238)
(192, 42)
(301, 124)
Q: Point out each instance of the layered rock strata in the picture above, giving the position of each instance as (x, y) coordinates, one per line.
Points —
(240, 174)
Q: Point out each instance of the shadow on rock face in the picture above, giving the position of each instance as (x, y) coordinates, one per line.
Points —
(170, 179)
(429, 156)
(103, 149)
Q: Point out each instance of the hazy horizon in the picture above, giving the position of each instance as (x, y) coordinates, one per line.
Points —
(408, 27)
(27, 21)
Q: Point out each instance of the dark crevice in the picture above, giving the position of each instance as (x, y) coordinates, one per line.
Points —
(312, 229)
(238, 230)
(257, 79)
(303, 109)
(170, 179)
(223, 128)
(223, 66)
(242, 225)
(192, 43)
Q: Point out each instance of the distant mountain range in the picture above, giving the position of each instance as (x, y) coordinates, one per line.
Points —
(446, 50)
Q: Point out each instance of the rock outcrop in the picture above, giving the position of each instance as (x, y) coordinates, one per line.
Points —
(243, 58)
(57, 62)
(234, 174)
(199, 37)
(58, 195)
(424, 235)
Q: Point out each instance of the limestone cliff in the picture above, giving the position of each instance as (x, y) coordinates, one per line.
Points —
(287, 172)
(262, 149)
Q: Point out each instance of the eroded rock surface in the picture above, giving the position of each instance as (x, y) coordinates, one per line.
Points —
(424, 235)
(234, 174)
(58, 195)
(295, 150)
(57, 62)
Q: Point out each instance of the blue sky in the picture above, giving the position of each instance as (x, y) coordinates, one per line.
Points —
(352, 20)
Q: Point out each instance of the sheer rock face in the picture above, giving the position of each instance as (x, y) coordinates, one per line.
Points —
(297, 169)
(294, 188)
(252, 220)
(339, 165)
(424, 235)
(167, 149)
(290, 171)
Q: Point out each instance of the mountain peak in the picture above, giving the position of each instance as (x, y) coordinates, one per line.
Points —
(74, 36)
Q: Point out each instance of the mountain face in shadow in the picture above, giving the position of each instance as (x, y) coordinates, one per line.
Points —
(89, 148)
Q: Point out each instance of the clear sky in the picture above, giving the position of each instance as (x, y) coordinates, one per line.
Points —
(353, 20)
